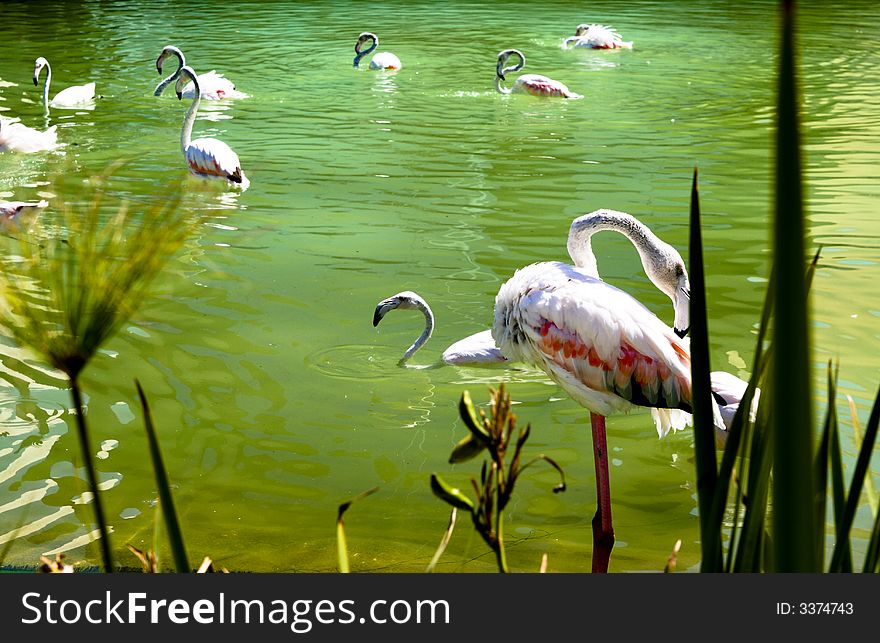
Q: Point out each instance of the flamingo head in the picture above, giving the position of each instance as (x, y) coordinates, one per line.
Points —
(500, 69)
(187, 74)
(582, 30)
(167, 52)
(405, 300)
(39, 63)
(672, 279)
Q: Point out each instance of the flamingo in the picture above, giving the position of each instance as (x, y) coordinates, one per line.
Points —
(11, 211)
(475, 349)
(596, 37)
(533, 84)
(206, 157)
(15, 137)
(382, 60)
(214, 86)
(603, 347)
(71, 97)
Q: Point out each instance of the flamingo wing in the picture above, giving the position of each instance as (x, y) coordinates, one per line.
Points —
(538, 85)
(385, 60)
(73, 96)
(601, 345)
(601, 37)
(214, 158)
(214, 86)
(16, 137)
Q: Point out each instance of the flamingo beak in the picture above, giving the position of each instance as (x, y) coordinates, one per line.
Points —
(681, 333)
(179, 95)
(378, 314)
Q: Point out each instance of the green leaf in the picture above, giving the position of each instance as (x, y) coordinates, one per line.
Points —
(701, 398)
(450, 494)
(467, 448)
(471, 419)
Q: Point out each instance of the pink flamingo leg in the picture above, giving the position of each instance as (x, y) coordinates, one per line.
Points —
(603, 532)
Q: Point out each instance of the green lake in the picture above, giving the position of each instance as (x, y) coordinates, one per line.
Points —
(275, 397)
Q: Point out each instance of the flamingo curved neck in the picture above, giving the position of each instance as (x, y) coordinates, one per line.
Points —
(46, 86)
(360, 54)
(648, 245)
(500, 88)
(190, 118)
(181, 61)
(422, 305)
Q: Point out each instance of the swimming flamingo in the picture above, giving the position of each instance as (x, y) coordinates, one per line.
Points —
(596, 37)
(602, 346)
(382, 60)
(12, 211)
(15, 137)
(533, 84)
(214, 86)
(206, 157)
(478, 348)
(71, 97)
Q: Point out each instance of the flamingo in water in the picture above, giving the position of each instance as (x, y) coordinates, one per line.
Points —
(213, 86)
(533, 84)
(71, 97)
(12, 211)
(206, 157)
(382, 60)
(596, 37)
(475, 349)
(602, 346)
(15, 137)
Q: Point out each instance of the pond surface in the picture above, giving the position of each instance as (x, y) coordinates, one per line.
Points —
(275, 397)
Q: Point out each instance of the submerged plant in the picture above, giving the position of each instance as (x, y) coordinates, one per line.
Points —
(497, 479)
(74, 277)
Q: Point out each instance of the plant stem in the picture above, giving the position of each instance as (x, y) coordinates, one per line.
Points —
(499, 547)
(86, 447)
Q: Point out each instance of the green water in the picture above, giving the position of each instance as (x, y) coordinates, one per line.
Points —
(277, 399)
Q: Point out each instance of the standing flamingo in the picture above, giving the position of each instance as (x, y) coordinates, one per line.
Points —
(382, 60)
(206, 157)
(602, 346)
(15, 137)
(533, 84)
(214, 86)
(478, 348)
(71, 97)
(596, 37)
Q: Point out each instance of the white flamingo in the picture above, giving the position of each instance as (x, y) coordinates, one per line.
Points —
(475, 349)
(213, 86)
(70, 97)
(603, 347)
(533, 84)
(382, 60)
(596, 37)
(15, 137)
(206, 157)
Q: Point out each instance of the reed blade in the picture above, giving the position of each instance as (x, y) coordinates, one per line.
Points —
(166, 501)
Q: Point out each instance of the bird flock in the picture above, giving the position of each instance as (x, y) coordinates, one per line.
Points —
(598, 343)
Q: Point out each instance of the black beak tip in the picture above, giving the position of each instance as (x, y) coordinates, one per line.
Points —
(376, 318)
(682, 333)
(35, 81)
(179, 95)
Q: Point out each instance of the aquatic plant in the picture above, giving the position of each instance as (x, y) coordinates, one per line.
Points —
(497, 479)
(72, 279)
(780, 485)
(341, 541)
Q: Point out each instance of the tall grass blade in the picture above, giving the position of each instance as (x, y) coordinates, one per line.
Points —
(166, 501)
(870, 489)
(444, 542)
(872, 556)
(792, 429)
(838, 496)
(855, 490)
(701, 397)
(822, 465)
(341, 542)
